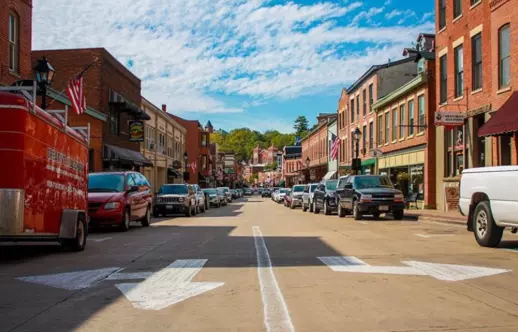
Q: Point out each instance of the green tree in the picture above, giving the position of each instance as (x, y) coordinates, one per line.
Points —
(301, 126)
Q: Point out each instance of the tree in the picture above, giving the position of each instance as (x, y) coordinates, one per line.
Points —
(301, 126)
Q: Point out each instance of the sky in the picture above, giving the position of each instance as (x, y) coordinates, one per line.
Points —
(239, 63)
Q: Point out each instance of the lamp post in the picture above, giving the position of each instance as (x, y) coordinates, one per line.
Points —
(308, 161)
(44, 75)
(357, 136)
(185, 157)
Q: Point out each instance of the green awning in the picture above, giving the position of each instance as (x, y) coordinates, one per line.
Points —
(369, 162)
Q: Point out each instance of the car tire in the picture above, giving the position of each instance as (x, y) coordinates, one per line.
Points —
(376, 215)
(316, 210)
(341, 211)
(398, 214)
(79, 242)
(487, 233)
(147, 218)
(357, 215)
(292, 206)
(327, 212)
(188, 213)
(310, 207)
(126, 219)
(203, 208)
(304, 208)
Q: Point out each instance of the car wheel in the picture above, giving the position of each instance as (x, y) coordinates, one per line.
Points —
(292, 206)
(326, 208)
(487, 233)
(125, 224)
(188, 213)
(398, 214)
(316, 210)
(79, 242)
(310, 206)
(203, 208)
(357, 215)
(341, 211)
(376, 215)
(304, 207)
(147, 219)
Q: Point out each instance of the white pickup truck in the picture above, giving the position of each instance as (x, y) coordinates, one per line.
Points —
(489, 197)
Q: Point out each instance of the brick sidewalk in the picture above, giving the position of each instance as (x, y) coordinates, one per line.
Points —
(434, 215)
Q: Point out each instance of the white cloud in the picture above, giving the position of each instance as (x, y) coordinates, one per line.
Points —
(187, 52)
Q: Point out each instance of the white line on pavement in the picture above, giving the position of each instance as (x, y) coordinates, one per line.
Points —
(362, 222)
(101, 239)
(427, 236)
(276, 315)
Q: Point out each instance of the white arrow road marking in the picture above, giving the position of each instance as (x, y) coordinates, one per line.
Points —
(71, 280)
(101, 239)
(276, 315)
(168, 286)
(446, 272)
(129, 275)
(427, 236)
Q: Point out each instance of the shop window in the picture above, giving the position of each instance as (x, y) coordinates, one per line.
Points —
(114, 119)
(416, 180)
(401, 121)
(505, 150)
(394, 124)
(364, 97)
(364, 139)
(476, 62)
(371, 135)
(358, 106)
(443, 79)
(421, 110)
(14, 30)
(504, 55)
(459, 163)
(387, 127)
(459, 71)
(442, 14)
(411, 118)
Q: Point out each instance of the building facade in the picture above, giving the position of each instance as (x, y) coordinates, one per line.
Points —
(332, 163)
(474, 75)
(264, 156)
(291, 165)
(355, 110)
(405, 122)
(164, 146)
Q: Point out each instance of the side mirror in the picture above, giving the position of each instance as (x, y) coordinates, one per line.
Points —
(132, 189)
(348, 186)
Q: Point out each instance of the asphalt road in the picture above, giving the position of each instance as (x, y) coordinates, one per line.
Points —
(257, 266)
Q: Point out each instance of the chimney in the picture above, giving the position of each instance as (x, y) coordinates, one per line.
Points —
(164, 108)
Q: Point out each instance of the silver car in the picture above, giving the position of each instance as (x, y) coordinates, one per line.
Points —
(307, 197)
(200, 199)
(228, 193)
(215, 199)
(296, 195)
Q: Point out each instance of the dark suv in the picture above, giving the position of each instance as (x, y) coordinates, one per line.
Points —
(324, 197)
(175, 198)
(369, 194)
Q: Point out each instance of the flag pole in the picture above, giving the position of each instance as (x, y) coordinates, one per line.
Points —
(76, 76)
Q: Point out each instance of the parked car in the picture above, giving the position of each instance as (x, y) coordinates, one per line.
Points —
(248, 192)
(288, 198)
(222, 196)
(307, 197)
(228, 194)
(324, 197)
(234, 194)
(279, 198)
(116, 198)
(240, 192)
(175, 199)
(213, 198)
(275, 190)
(266, 193)
(369, 194)
(488, 199)
(201, 206)
(296, 195)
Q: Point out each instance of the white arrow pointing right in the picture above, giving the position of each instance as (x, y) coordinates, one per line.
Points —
(168, 286)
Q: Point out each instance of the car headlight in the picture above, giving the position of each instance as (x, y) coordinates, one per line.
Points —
(366, 198)
(112, 206)
(399, 198)
(181, 199)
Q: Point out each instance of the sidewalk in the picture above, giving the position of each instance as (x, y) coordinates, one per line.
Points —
(453, 217)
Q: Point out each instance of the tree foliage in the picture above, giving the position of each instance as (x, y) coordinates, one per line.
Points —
(301, 126)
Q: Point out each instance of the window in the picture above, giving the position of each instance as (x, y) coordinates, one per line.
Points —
(504, 56)
(114, 121)
(476, 62)
(401, 121)
(364, 138)
(420, 119)
(170, 145)
(457, 8)
(203, 162)
(204, 140)
(371, 96)
(459, 71)
(346, 154)
(371, 135)
(161, 143)
(474, 2)
(91, 160)
(443, 79)
(352, 110)
(411, 118)
(505, 150)
(358, 106)
(394, 124)
(380, 129)
(387, 127)
(420, 66)
(13, 42)
(364, 96)
(442, 14)
(150, 138)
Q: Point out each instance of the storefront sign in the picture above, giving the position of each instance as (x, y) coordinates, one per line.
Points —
(417, 169)
(452, 197)
(479, 110)
(449, 119)
(136, 129)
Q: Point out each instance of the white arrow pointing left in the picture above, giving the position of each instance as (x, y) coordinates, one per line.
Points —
(168, 286)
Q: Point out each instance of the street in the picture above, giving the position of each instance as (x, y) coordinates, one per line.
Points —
(255, 266)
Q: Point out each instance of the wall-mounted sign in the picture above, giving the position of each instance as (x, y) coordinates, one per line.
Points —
(136, 129)
(449, 119)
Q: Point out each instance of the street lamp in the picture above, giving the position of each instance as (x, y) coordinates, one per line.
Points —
(308, 161)
(357, 136)
(185, 157)
(44, 75)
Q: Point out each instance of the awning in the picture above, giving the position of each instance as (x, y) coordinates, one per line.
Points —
(131, 108)
(368, 162)
(115, 153)
(329, 175)
(173, 173)
(504, 121)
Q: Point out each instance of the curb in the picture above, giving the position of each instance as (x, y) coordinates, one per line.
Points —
(442, 220)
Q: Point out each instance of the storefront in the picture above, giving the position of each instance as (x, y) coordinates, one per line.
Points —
(368, 166)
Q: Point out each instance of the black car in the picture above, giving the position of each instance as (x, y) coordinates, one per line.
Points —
(369, 194)
(324, 197)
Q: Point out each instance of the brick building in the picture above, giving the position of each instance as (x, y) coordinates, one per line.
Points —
(291, 165)
(474, 75)
(200, 163)
(264, 156)
(355, 109)
(406, 132)
(15, 40)
(111, 90)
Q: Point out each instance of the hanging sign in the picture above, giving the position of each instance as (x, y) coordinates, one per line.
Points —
(136, 129)
(449, 119)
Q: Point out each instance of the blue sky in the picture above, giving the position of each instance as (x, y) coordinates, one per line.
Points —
(239, 63)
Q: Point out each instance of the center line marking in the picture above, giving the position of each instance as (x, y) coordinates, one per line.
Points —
(276, 315)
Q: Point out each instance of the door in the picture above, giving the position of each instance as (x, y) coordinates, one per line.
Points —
(147, 194)
(319, 195)
(132, 196)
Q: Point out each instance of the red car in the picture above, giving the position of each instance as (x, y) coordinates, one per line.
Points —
(116, 198)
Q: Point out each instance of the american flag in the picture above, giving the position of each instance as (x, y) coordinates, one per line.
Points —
(75, 92)
(194, 166)
(335, 146)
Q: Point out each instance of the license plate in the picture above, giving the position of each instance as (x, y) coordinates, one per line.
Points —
(384, 208)
(169, 207)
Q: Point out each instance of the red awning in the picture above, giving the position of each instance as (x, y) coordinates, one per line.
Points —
(504, 121)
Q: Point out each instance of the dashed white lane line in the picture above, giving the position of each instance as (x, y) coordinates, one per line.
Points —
(427, 236)
(101, 239)
(276, 314)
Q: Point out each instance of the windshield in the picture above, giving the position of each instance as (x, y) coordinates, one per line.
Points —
(331, 185)
(173, 190)
(285, 191)
(298, 189)
(210, 191)
(106, 182)
(313, 187)
(361, 182)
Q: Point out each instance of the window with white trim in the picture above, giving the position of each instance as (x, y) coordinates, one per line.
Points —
(14, 30)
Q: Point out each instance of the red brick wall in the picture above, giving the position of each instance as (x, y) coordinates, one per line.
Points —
(23, 9)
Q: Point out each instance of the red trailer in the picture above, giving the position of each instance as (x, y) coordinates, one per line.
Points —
(43, 174)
